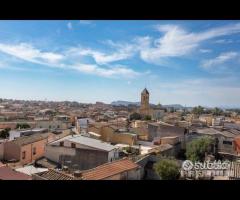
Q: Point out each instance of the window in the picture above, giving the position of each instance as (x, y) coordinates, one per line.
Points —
(34, 151)
(227, 142)
(73, 145)
(61, 144)
(23, 155)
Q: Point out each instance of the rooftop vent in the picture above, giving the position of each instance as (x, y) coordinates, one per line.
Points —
(65, 168)
(77, 174)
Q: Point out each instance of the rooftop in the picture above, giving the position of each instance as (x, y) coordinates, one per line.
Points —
(29, 170)
(145, 91)
(6, 173)
(52, 174)
(21, 141)
(161, 148)
(109, 169)
(79, 139)
(43, 162)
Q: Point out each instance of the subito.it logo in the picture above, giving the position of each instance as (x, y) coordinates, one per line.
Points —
(187, 165)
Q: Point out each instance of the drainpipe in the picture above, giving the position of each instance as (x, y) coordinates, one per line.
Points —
(31, 152)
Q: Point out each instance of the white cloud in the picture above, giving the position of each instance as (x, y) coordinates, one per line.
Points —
(224, 41)
(106, 72)
(222, 58)
(205, 50)
(178, 42)
(69, 26)
(29, 53)
(122, 52)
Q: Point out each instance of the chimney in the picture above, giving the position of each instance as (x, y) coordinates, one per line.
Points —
(77, 174)
(65, 168)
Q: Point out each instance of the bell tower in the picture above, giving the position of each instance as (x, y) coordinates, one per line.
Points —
(145, 108)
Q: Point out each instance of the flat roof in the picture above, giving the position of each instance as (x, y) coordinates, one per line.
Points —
(30, 139)
(29, 170)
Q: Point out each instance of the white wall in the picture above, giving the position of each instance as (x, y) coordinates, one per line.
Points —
(113, 155)
(53, 152)
(14, 134)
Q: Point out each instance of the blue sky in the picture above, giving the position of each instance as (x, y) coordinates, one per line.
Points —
(186, 62)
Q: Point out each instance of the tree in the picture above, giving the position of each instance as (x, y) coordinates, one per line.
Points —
(135, 116)
(5, 133)
(217, 111)
(198, 110)
(167, 169)
(195, 150)
(22, 126)
(147, 117)
(159, 105)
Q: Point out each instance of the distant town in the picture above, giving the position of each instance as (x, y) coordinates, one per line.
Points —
(41, 140)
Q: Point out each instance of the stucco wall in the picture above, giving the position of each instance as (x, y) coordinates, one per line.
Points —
(53, 152)
(108, 135)
(40, 149)
(128, 175)
(11, 151)
(53, 124)
(81, 159)
(1, 150)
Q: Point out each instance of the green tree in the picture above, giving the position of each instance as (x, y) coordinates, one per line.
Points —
(22, 126)
(159, 105)
(135, 116)
(195, 150)
(217, 111)
(167, 169)
(147, 117)
(198, 110)
(5, 133)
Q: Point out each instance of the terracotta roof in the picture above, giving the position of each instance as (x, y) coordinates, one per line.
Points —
(109, 169)
(52, 174)
(6, 173)
(237, 141)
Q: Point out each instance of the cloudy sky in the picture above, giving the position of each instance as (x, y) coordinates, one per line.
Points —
(186, 62)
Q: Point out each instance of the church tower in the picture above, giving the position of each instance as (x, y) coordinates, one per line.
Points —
(145, 108)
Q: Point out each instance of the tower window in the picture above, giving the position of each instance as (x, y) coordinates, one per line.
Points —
(73, 145)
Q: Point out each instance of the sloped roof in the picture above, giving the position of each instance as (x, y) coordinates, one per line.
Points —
(6, 173)
(145, 91)
(78, 139)
(109, 169)
(52, 174)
